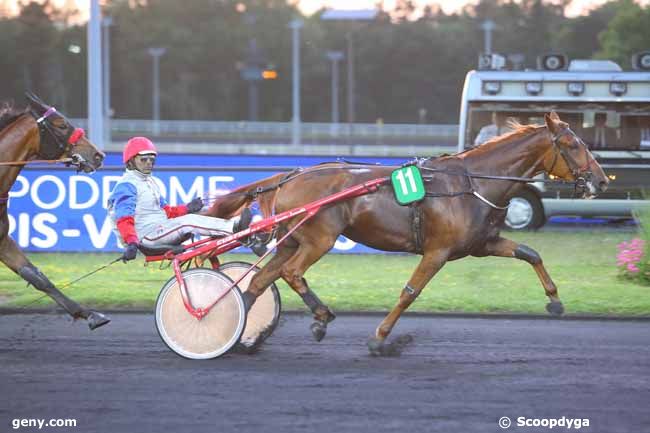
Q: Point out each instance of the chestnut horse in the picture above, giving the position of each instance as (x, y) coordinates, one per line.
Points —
(462, 214)
(40, 132)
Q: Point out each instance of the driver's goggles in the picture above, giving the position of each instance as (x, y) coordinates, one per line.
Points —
(147, 158)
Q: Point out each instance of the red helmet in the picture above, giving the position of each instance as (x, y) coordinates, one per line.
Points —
(136, 146)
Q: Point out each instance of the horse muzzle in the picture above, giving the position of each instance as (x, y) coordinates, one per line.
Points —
(82, 164)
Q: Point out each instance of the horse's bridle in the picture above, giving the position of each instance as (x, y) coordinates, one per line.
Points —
(53, 144)
(581, 174)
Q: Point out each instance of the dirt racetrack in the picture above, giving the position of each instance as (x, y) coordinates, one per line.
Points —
(458, 375)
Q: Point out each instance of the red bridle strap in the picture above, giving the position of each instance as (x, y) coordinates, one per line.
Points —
(77, 134)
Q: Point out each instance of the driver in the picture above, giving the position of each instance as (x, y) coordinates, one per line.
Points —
(142, 216)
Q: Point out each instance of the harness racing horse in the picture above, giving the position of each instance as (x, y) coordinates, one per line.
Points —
(461, 215)
(40, 131)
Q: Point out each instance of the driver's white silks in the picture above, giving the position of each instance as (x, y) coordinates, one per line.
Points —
(174, 230)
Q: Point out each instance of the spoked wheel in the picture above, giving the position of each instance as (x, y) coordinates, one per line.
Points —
(265, 313)
(214, 334)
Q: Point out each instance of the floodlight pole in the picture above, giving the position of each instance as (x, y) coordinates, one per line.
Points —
(335, 57)
(94, 55)
(351, 98)
(488, 26)
(350, 16)
(295, 26)
(107, 22)
(156, 53)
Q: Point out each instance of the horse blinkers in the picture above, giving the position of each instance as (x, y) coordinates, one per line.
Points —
(55, 141)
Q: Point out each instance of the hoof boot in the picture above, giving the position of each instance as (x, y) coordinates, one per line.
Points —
(555, 308)
(318, 330)
(96, 319)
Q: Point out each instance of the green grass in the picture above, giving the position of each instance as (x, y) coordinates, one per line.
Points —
(581, 264)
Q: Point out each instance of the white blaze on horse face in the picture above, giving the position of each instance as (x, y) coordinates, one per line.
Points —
(359, 170)
(593, 191)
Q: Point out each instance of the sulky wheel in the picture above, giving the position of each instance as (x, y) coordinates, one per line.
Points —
(214, 334)
(265, 312)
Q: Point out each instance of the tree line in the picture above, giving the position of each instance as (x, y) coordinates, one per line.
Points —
(410, 63)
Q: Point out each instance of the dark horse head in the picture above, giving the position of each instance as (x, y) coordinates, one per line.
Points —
(58, 138)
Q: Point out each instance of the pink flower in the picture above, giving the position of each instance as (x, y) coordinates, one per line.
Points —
(632, 268)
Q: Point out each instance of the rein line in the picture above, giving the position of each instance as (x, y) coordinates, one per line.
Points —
(37, 161)
(299, 172)
(495, 177)
(472, 191)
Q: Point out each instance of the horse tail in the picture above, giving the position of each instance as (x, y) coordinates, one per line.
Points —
(231, 204)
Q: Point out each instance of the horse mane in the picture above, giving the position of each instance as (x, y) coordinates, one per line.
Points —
(8, 114)
(518, 131)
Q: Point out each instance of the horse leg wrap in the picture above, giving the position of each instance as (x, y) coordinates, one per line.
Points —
(311, 300)
(316, 306)
(36, 278)
(249, 300)
(523, 252)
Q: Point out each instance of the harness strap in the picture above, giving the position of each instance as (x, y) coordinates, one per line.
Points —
(289, 176)
(488, 202)
(4, 198)
(416, 218)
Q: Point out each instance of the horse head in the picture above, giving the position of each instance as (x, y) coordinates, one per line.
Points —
(58, 138)
(569, 158)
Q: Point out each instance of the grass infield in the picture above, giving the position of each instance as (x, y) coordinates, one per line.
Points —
(581, 264)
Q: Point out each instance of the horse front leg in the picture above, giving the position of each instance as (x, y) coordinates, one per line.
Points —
(15, 259)
(430, 264)
(502, 247)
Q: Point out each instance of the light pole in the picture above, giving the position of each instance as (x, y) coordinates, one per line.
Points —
(107, 22)
(350, 16)
(95, 118)
(253, 74)
(156, 53)
(295, 26)
(335, 57)
(488, 26)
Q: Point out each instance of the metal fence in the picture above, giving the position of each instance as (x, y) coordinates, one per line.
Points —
(275, 137)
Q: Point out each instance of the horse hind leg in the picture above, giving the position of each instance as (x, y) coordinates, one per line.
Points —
(14, 258)
(268, 274)
(430, 264)
(292, 272)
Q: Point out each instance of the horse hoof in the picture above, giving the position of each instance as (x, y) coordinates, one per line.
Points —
(555, 308)
(375, 347)
(393, 348)
(318, 330)
(96, 319)
(382, 348)
(246, 349)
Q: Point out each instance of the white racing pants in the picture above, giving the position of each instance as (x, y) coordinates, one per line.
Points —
(175, 230)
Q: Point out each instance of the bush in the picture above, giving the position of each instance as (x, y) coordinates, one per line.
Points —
(633, 259)
(630, 258)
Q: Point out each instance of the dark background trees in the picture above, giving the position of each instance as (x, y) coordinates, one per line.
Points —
(410, 65)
